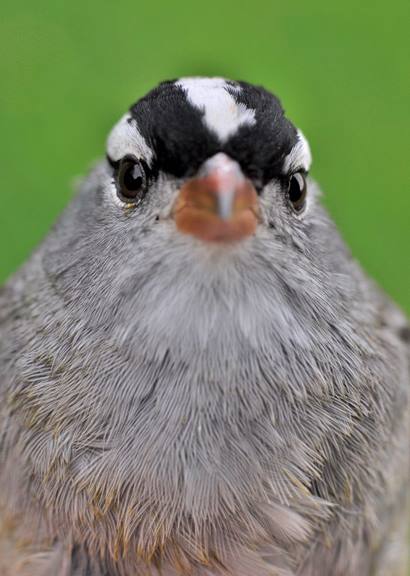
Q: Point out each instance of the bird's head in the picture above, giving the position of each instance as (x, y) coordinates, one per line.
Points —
(202, 206)
(202, 152)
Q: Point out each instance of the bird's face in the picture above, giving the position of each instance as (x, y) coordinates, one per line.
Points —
(205, 156)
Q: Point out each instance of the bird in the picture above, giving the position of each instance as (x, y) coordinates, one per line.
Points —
(197, 378)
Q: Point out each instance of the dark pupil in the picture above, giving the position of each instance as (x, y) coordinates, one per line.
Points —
(296, 189)
(133, 178)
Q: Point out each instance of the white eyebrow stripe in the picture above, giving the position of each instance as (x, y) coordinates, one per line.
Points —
(299, 157)
(125, 138)
(222, 114)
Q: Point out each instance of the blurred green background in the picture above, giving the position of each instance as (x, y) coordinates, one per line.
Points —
(68, 70)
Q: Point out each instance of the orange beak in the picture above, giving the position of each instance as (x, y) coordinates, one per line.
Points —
(219, 205)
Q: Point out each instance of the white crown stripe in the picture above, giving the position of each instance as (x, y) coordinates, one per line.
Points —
(222, 114)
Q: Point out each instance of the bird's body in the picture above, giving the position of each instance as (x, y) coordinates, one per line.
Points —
(200, 380)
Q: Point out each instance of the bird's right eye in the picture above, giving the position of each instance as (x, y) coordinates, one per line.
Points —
(131, 180)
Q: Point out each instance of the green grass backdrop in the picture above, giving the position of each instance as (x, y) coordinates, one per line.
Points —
(69, 69)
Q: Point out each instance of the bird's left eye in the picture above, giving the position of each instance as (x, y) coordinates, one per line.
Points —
(131, 180)
(297, 191)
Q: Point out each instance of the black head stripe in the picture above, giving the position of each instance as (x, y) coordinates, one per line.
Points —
(262, 148)
(175, 129)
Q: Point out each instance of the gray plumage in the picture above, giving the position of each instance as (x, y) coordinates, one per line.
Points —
(169, 406)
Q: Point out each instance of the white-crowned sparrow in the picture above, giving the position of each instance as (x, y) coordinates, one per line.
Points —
(196, 378)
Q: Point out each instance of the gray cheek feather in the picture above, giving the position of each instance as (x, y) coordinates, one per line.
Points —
(243, 407)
